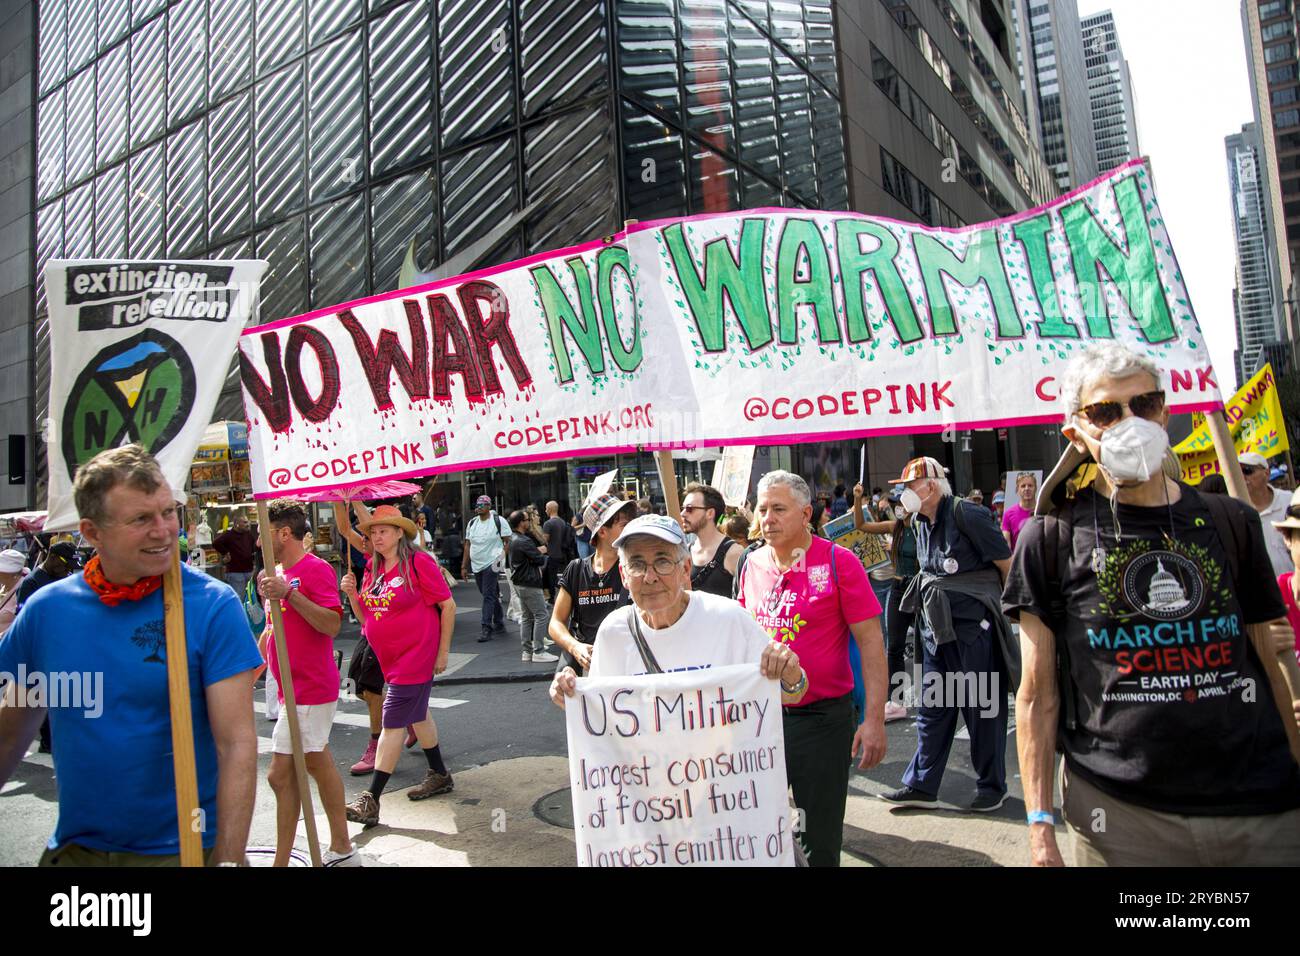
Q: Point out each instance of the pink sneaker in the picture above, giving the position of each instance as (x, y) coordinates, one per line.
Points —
(367, 762)
(894, 711)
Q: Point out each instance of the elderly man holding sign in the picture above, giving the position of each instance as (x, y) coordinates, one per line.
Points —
(671, 630)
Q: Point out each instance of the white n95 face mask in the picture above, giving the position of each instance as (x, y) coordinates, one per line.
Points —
(910, 500)
(1134, 449)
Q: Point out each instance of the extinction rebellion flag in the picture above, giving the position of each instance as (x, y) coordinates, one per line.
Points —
(139, 352)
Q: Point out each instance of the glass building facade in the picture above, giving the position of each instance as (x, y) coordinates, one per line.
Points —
(331, 137)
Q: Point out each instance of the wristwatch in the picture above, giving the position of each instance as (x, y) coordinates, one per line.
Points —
(799, 685)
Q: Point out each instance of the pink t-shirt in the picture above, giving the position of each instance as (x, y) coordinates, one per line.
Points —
(810, 609)
(1013, 519)
(402, 624)
(1292, 612)
(311, 653)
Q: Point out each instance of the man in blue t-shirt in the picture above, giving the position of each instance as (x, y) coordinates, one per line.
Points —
(96, 642)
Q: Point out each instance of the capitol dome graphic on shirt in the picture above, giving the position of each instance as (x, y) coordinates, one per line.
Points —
(1165, 593)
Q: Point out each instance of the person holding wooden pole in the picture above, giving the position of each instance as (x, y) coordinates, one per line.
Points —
(103, 632)
(1145, 611)
(304, 586)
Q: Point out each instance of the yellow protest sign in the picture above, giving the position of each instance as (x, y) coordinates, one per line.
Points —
(1254, 417)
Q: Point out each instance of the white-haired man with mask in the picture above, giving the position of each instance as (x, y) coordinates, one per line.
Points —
(1134, 598)
(815, 597)
(970, 659)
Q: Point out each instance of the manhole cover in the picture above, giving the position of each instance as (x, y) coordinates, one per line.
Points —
(555, 808)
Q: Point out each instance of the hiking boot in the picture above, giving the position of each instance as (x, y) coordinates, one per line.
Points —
(987, 802)
(434, 784)
(907, 797)
(364, 809)
(367, 762)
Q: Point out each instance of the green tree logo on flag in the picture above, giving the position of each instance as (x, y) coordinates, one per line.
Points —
(139, 390)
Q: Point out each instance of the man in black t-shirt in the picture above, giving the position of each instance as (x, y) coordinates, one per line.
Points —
(561, 545)
(1137, 664)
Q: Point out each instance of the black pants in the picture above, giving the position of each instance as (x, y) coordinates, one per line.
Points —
(818, 741)
(897, 622)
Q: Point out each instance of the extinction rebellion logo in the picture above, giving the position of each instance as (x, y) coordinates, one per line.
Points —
(138, 390)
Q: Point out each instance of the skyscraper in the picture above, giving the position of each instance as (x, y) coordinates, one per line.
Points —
(1270, 31)
(1256, 297)
(1055, 78)
(1110, 93)
(336, 137)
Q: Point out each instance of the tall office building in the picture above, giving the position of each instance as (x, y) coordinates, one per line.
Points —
(1055, 78)
(1256, 297)
(332, 137)
(1269, 27)
(1110, 93)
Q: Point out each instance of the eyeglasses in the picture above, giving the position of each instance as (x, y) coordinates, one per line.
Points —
(1104, 414)
(663, 567)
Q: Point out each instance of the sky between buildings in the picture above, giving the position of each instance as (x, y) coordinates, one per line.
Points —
(1188, 61)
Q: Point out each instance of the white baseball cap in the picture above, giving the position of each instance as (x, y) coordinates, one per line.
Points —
(657, 526)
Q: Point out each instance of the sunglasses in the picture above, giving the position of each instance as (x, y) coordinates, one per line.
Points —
(1293, 511)
(1250, 470)
(1104, 414)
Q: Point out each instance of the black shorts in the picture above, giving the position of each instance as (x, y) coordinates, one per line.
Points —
(363, 669)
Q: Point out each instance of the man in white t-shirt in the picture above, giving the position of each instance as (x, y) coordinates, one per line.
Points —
(486, 537)
(685, 630)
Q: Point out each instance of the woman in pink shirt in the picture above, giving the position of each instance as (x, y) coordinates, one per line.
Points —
(409, 615)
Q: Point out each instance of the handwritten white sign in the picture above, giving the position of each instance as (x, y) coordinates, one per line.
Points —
(681, 769)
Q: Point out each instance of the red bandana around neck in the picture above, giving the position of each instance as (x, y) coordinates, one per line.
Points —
(114, 594)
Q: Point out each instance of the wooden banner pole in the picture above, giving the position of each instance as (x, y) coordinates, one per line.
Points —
(286, 685)
(668, 478)
(188, 818)
(664, 459)
(1276, 656)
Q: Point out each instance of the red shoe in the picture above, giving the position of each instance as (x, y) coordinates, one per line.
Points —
(367, 762)
(411, 739)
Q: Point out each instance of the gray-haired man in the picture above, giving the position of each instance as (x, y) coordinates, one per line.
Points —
(810, 595)
(1134, 598)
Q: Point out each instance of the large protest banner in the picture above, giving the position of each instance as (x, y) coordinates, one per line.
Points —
(543, 358)
(138, 353)
(801, 326)
(680, 769)
(1254, 417)
(753, 327)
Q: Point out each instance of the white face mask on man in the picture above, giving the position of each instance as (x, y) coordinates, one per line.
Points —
(910, 500)
(1133, 450)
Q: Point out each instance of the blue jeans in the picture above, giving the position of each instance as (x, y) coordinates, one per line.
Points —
(488, 586)
(936, 725)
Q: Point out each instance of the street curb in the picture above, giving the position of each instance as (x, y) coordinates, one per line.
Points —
(495, 679)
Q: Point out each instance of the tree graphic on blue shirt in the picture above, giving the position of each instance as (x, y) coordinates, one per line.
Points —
(153, 637)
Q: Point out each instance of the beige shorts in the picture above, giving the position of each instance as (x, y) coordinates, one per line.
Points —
(314, 723)
(1105, 831)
